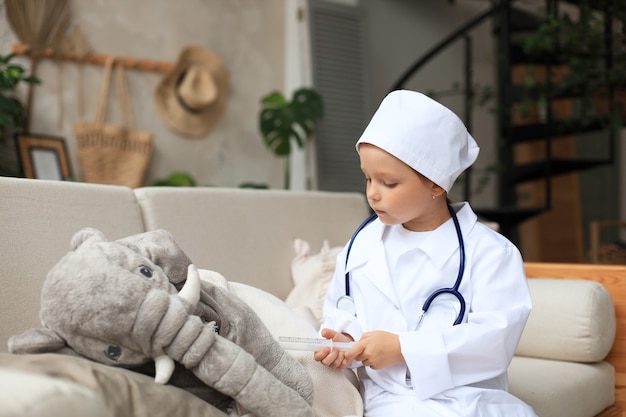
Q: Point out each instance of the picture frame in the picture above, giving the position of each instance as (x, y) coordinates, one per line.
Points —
(43, 157)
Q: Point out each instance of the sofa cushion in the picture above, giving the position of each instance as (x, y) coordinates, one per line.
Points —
(38, 221)
(559, 388)
(336, 393)
(120, 391)
(246, 234)
(571, 320)
(311, 274)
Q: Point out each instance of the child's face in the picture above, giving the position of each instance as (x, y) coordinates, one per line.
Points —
(397, 193)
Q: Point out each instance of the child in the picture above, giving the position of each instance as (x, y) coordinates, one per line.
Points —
(414, 257)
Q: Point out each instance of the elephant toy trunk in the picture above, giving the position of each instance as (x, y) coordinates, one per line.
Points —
(164, 323)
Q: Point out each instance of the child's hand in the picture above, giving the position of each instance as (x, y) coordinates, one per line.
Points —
(376, 349)
(333, 359)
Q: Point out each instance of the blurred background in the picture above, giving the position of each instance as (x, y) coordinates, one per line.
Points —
(537, 83)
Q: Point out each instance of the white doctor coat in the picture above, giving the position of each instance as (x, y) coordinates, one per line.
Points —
(452, 370)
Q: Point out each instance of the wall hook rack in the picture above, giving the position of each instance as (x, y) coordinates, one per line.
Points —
(96, 59)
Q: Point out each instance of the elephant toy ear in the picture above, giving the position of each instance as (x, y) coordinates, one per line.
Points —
(36, 341)
(86, 234)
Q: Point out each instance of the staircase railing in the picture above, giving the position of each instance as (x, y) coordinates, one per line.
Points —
(462, 33)
(509, 213)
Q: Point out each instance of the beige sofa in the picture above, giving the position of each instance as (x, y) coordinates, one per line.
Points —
(259, 240)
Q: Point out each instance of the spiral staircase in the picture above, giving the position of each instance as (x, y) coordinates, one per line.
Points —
(531, 149)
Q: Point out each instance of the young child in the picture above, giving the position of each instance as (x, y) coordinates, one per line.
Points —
(415, 256)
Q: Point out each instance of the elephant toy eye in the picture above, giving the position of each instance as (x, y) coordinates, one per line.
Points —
(113, 352)
(145, 271)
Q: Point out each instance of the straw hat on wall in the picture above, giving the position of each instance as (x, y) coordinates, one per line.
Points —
(192, 97)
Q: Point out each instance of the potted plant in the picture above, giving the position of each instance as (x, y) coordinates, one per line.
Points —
(12, 111)
(284, 124)
(577, 49)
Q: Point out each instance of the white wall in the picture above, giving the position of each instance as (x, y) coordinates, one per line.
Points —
(249, 36)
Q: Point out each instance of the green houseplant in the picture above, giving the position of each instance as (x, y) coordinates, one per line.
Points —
(578, 50)
(12, 111)
(284, 123)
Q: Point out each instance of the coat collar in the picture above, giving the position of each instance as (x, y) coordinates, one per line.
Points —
(439, 247)
(372, 234)
(368, 250)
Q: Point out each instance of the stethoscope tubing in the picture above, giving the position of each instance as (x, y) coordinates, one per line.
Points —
(357, 231)
(454, 290)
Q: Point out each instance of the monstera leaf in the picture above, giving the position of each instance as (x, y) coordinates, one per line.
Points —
(282, 121)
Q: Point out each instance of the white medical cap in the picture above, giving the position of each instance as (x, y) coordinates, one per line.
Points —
(423, 134)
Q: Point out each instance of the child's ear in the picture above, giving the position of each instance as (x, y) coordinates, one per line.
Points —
(437, 190)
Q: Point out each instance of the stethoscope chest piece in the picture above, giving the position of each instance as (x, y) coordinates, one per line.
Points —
(346, 303)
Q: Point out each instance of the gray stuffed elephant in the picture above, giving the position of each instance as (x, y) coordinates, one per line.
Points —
(140, 299)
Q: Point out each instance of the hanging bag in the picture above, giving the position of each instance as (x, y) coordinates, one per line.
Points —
(108, 153)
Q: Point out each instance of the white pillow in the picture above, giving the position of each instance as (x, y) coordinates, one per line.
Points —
(336, 392)
(311, 276)
(581, 325)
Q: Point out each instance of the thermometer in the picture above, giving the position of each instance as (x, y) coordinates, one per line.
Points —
(312, 344)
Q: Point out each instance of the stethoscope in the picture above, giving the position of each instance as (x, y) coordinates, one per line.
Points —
(346, 302)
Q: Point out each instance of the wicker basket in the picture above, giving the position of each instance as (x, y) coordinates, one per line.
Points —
(113, 154)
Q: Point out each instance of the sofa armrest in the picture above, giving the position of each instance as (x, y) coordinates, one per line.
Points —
(29, 394)
(121, 392)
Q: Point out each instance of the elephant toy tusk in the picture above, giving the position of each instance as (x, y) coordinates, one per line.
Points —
(191, 290)
(164, 368)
